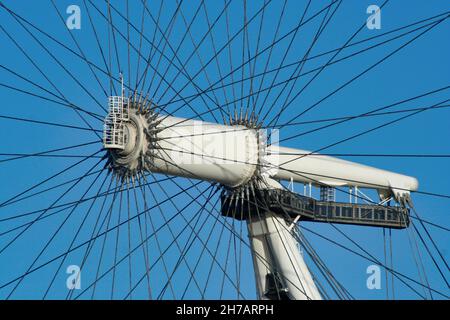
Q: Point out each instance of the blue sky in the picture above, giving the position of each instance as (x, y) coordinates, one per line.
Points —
(420, 67)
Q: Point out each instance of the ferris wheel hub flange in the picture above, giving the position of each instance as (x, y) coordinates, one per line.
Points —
(132, 158)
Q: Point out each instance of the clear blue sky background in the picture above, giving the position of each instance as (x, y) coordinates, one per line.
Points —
(418, 68)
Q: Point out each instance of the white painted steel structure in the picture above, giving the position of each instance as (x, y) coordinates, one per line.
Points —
(232, 156)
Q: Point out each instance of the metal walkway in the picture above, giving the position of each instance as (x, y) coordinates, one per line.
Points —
(113, 129)
(286, 202)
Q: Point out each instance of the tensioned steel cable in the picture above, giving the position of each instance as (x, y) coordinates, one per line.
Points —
(156, 72)
(89, 247)
(48, 242)
(240, 30)
(79, 228)
(109, 216)
(262, 74)
(242, 65)
(109, 229)
(44, 74)
(149, 64)
(60, 125)
(183, 169)
(192, 272)
(417, 258)
(324, 23)
(47, 179)
(143, 77)
(367, 69)
(17, 156)
(134, 249)
(63, 67)
(233, 82)
(237, 129)
(81, 51)
(67, 204)
(142, 189)
(63, 102)
(292, 171)
(390, 269)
